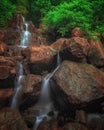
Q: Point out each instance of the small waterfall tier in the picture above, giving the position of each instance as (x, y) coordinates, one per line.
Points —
(25, 36)
(18, 86)
(23, 26)
(45, 104)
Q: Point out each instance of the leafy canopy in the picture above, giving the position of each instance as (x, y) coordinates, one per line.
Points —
(6, 11)
(60, 15)
(66, 16)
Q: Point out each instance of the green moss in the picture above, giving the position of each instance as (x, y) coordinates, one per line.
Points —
(87, 65)
(9, 59)
(54, 52)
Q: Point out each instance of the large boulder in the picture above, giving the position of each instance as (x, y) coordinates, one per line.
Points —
(42, 54)
(7, 72)
(81, 83)
(77, 32)
(11, 119)
(32, 83)
(60, 44)
(5, 97)
(38, 59)
(75, 48)
(78, 48)
(30, 92)
(96, 53)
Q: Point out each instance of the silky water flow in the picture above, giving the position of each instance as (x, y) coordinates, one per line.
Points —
(25, 33)
(25, 41)
(18, 86)
(45, 104)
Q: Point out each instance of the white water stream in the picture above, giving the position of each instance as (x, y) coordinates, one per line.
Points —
(18, 86)
(45, 102)
(25, 41)
(26, 36)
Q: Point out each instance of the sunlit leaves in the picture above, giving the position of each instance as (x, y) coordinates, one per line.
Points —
(66, 16)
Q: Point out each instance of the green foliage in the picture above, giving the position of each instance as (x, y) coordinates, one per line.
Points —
(66, 16)
(37, 9)
(6, 11)
(98, 15)
(60, 15)
(54, 52)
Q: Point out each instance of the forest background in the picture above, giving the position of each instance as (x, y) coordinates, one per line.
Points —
(61, 15)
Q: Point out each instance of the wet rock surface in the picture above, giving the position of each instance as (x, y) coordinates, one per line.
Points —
(39, 59)
(96, 53)
(30, 91)
(10, 119)
(7, 72)
(80, 82)
(5, 97)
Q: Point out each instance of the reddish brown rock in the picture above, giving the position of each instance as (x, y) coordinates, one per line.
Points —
(3, 47)
(76, 32)
(60, 44)
(38, 59)
(42, 54)
(96, 53)
(7, 72)
(7, 67)
(30, 91)
(11, 119)
(80, 82)
(31, 83)
(5, 93)
(5, 96)
(78, 48)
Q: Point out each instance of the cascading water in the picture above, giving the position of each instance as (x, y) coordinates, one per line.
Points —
(58, 59)
(18, 86)
(22, 25)
(26, 36)
(25, 41)
(45, 102)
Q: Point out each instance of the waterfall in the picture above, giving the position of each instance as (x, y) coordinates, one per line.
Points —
(25, 41)
(45, 102)
(18, 86)
(25, 36)
(58, 59)
(23, 25)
